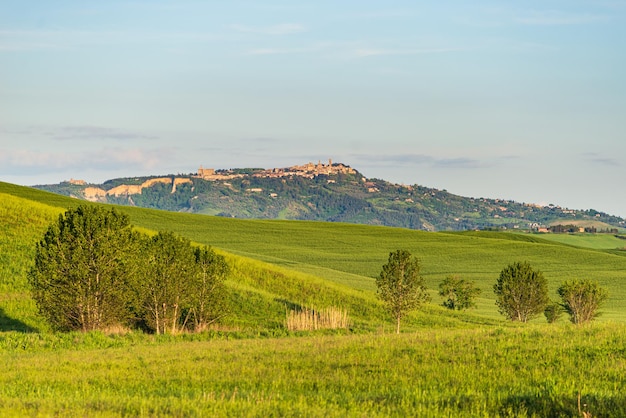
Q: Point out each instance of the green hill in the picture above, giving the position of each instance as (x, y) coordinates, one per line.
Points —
(322, 196)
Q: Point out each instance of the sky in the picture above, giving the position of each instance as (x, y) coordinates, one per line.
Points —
(518, 100)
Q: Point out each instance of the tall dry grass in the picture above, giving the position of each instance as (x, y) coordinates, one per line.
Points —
(313, 319)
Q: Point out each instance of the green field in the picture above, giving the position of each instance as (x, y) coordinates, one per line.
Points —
(444, 363)
(597, 241)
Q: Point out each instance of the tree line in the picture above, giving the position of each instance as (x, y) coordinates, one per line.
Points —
(521, 292)
(93, 271)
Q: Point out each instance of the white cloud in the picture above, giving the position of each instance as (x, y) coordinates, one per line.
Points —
(272, 51)
(281, 29)
(595, 158)
(97, 132)
(557, 18)
(24, 161)
(423, 160)
(33, 40)
(372, 52)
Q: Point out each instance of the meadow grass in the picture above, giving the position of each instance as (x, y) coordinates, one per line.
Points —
(22, 223)
(530, 371)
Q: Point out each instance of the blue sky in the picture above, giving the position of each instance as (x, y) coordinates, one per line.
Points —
(521, 100)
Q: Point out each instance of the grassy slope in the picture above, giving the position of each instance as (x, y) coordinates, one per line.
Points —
(352, 254)
(595, 241)
(22, 223)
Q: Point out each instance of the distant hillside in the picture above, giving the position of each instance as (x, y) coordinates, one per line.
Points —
(331, 192)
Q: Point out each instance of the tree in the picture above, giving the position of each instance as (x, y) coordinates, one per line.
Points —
(581, 299)
(167, 285)
(208, 299)
(84, 267)
(400, 285)
(459, 293)
(521, 292)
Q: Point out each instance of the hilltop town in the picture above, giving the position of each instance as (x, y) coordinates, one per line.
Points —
(309, 170)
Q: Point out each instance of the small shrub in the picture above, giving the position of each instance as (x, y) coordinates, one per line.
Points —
(553, 312)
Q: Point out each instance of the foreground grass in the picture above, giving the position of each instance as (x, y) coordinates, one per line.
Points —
(534, 371)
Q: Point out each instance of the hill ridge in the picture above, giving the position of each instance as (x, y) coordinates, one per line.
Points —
(333, 192)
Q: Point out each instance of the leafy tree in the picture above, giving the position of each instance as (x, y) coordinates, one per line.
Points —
(84, 267)
(208, 300)
(167, 285)
(521, 292)
(581, 299)
(459, 293)
(400, 285)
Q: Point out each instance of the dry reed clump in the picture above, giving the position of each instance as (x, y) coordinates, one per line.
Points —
(116, 330)
(312, 319)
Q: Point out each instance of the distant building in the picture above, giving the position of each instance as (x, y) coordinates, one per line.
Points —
(206, 173)
(308, 170)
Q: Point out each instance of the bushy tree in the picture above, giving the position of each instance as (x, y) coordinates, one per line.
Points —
(459, 293)
(400, 285)
(581, 299)
(92, 271)
(521, 292)
(208, 298)
(183, 287)
(84, 268)
(167, 284)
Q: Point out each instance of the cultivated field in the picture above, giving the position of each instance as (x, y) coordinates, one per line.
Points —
(445, 363)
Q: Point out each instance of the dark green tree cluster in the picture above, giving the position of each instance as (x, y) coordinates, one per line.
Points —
(522, 293)
(458, 293)
(92, 271)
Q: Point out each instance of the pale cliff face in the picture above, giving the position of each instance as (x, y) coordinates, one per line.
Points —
(96, 194)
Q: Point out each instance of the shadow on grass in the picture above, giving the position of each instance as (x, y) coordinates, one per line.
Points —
(11, 324)
(549, 406)
(289, 304)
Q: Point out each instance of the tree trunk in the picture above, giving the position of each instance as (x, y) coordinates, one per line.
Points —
(398, 325)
